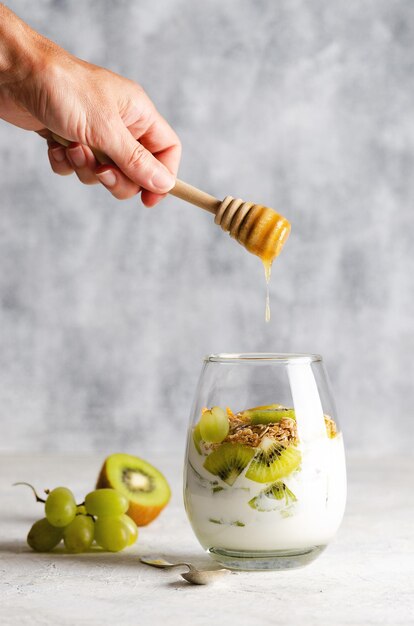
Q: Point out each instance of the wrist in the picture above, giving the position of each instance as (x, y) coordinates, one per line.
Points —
(19, 49)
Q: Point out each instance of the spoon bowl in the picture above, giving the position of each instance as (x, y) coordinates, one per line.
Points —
(194, 576)
(204, 577)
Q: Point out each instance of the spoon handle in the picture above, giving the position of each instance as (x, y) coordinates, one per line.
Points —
(191, 568)
(161, 563)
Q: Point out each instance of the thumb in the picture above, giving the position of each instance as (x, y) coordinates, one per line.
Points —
(137, 162)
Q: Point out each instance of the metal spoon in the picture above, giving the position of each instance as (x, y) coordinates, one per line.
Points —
(193, 576)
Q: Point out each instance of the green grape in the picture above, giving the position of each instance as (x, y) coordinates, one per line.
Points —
(197, 438)
(106, 502)
(78, 536)
(132, 527)
(81, 510)
(214, 425)
(112, 533)
(43, 537)
(60, 507)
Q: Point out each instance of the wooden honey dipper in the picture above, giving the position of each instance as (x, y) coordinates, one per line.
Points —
(261, 230)
(258, 228)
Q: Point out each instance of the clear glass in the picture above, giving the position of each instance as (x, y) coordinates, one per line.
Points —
(271, 495)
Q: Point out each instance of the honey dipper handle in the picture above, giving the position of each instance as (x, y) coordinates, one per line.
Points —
(191, 194)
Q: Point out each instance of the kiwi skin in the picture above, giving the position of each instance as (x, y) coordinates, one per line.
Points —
(141, 514)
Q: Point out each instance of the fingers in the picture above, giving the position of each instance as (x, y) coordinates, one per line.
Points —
(150, 199)
(137, 162)
(83, 163)
(144, 152)
(120, 186)
(171, 159)
(81, 160)
(162, 141)
(58, 161)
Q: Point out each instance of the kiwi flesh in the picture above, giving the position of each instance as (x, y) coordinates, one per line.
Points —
(145, 487)
(268, 415)
(278, 491)
(273, 461)
(228, 461)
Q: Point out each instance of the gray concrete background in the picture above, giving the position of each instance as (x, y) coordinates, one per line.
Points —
(107, 308)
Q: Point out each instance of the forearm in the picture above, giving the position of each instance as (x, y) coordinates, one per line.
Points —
(19, 47)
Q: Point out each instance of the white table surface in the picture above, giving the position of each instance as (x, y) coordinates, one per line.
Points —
(365, 577)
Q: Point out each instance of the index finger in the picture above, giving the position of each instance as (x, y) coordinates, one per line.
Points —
(160, 139)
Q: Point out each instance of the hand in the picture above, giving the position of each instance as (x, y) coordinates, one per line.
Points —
(44, 88)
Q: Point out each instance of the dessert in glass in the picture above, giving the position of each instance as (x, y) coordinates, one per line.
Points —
(264, 477)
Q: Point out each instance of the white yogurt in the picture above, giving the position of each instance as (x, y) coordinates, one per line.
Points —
(222, 518)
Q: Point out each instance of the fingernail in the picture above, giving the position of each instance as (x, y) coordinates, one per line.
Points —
(107, 178)
(58, 154)
(77, 156)
(163, 180)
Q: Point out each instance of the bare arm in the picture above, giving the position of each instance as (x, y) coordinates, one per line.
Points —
(44, 87)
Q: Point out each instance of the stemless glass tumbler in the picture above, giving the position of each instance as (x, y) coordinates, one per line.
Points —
(264, 477)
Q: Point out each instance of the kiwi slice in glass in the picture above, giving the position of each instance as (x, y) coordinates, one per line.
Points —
(268, 415)
(265, 501)
(273, 461)
(228, 461)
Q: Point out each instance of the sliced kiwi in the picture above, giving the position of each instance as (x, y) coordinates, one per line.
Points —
(247, 413)
(273, 461)
(221, 521)
(228, 461)
(145, 487)
(265, 501)
(268, 415)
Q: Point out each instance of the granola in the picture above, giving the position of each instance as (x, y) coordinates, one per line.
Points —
(285, 432)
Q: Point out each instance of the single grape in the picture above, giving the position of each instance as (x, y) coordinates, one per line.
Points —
(81, 509)
(132, 527)
(43, 537)
(60, 507)
(112, 533)
(78, 536)
(197, 438)
(106, 502)
(214, 425)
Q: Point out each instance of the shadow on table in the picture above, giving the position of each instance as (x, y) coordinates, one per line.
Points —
(126, 558)
(14, 547)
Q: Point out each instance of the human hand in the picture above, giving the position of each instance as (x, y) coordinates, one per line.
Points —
(44, 88)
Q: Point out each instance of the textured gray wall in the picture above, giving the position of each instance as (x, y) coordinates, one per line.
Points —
(108, 307)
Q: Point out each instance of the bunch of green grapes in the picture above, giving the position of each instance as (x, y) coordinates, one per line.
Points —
(101, 518)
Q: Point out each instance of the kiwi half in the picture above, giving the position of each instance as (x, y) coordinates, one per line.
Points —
(273, 461)
(228, 461)
(145, 487)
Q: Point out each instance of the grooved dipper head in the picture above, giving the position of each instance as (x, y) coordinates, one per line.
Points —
(261, 230)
